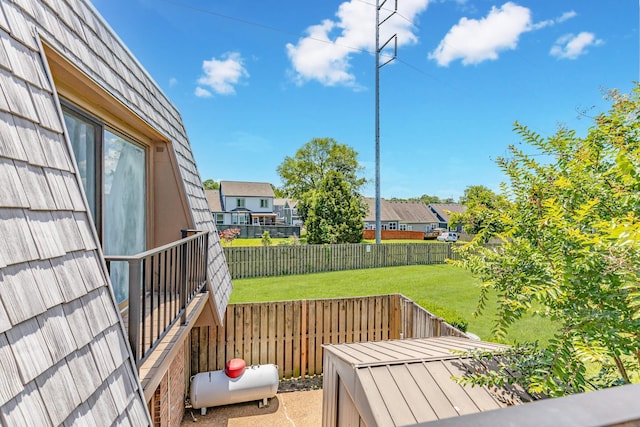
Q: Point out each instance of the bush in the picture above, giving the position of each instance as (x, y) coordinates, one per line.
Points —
(266, 238)
(450, 316)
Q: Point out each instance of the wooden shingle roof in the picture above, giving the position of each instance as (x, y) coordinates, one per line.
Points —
(63, 352)
(62, 345)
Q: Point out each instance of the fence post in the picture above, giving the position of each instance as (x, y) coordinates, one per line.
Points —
(134, 308)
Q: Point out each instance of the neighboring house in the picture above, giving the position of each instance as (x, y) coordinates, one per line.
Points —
(247, 203)
(286, 211)
(443, 212)
(94, 160)
(215, 204)
(398, 215)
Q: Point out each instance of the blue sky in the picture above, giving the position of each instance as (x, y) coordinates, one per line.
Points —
(256, 80)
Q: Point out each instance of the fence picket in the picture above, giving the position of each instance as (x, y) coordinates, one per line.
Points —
(267, 261)
(291, 334)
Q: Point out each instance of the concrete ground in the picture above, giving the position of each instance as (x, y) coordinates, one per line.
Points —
(297, 409)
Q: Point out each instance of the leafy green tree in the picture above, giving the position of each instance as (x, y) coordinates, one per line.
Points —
(278, 192)
(570, 251)
(483, 212)
(334, 211)
(210, 184)
(425, 198)
(313, 161)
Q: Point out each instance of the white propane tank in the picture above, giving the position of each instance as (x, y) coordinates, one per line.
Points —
(215, 388)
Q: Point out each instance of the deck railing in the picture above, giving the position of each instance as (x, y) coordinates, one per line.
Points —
(162, 282)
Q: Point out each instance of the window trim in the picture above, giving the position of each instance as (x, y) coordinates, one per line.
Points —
(79, 113)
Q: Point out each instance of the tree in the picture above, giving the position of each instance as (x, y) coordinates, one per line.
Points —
(570, 251)
(210, 184)
(425, 198)
(313, 161)
(278, 192)
(334, 211)
(483, 211)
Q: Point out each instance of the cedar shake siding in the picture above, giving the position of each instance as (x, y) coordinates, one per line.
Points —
(63, 348)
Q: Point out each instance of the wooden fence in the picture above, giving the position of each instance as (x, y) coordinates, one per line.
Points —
(290, 334)
(264, 261)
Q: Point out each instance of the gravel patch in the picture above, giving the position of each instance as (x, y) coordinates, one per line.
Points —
(300, 384)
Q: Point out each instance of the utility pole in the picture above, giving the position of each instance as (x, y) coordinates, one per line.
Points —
(378, 67)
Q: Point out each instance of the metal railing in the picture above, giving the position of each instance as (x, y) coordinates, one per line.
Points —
(162, 283)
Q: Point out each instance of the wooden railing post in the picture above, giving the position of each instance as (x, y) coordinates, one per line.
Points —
(135, 304)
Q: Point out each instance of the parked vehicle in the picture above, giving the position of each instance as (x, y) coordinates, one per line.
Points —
(448, 236)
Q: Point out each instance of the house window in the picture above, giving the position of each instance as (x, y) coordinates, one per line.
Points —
(113, 173)
(219, 218)
(240, 218)
(393, 226)
(264, 203)
(240, 203)
(403, 227)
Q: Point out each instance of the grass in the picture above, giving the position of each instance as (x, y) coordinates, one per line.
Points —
(276, 241)
(429, 285)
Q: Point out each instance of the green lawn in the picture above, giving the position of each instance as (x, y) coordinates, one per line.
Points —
(275, 241)
(442, 285)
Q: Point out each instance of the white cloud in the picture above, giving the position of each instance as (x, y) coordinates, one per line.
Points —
(221, 75)
(566, 16)
(549, 22)
(571, 46)
(173, 81)
(325, 54)
(477, 40)
(202, 93)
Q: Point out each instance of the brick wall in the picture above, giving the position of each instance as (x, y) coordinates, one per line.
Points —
(167, 404)
(176, 390)
(394, 234)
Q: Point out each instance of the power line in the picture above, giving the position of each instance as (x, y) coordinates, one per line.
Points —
(297, 34)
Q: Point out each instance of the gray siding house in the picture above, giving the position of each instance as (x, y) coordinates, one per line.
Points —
(69, 91)
(443, 212)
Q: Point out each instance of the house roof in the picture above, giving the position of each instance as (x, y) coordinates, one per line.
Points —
(406, 212)
(246, 189)
(213, 198)
(63, 352)
(406, 382)
(444, 210)
(291, 203)
(387, 213)
(413, 212)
